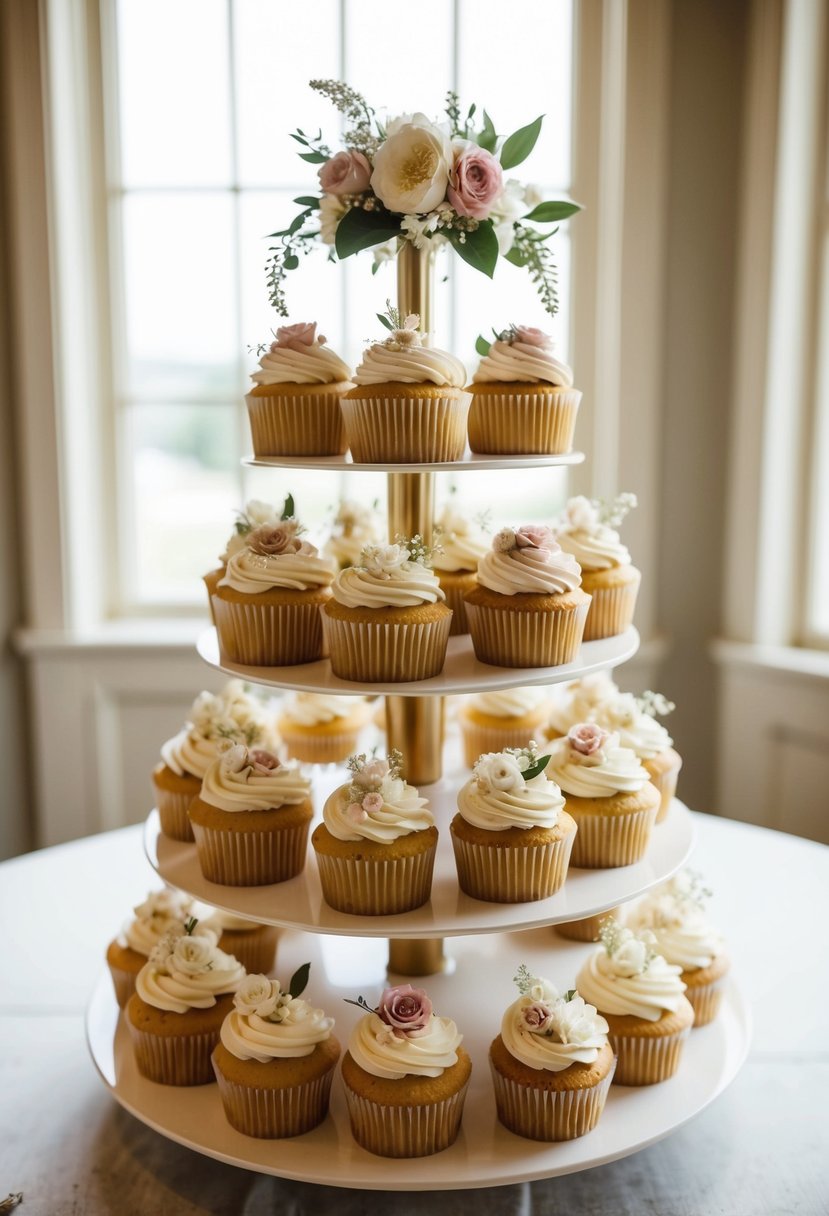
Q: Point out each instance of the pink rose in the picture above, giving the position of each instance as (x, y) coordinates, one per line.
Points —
(270, 540)
(371, 773)
(372, 803)
(531, 336)
(296, 336)
(535, 536)
(346, 173)
(475, 182)
(406, 1009)
(355, 812)
(264, 762)
(587, 738)
(537, 1017)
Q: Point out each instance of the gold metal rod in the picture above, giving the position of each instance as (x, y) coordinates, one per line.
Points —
(417, 956)
(414, 725)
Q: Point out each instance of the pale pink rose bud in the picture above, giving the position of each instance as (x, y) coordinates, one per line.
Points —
(296, 336)
(587, 738)
(356, 813)
(531, 336)
(345, 173)
(475, 182)
(263, 761)
(406, 1009)
(536, 536)
(372, 803)
(537, 1017)
(374, 772)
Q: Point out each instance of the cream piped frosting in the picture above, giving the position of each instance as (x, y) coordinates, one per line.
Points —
(509, 702)
(675, 915)
(275, 556)
(403, 359)
(461, 542)
(403, 1037)
(528, 560)
(269, 1024)
(522, 354)
(625, 976)
(388, 577)
(299, 356)
(636, 729)
(161, 912)
(546, 1030)
(584, 532)
(320, 708)
(589, 762)
(510, 789)
(187, 971)
(253, 780)
(581, 700)
(215, 721)
(377, 804)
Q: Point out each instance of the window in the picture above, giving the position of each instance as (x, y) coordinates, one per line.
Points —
(200, 98)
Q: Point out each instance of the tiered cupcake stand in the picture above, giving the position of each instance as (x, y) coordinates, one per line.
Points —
(470, 979)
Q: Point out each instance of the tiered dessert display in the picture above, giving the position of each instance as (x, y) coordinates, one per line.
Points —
(497, 906)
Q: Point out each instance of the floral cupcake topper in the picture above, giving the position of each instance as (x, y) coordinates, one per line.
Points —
(565, 1018)
(243, 762)
(182, 949)
(628, 953)
(386, 561)
(509, 770)
(405, 1011)
(525, 335)
(404, 332)
(257, 513)
(262, 997)
(589, 743)
(529, 536)
(591, 514)
(231, 716)
(374, 783)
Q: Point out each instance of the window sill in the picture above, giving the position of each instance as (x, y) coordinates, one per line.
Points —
(785, 661)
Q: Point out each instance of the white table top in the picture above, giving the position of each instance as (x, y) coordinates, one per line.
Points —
(761, 1148)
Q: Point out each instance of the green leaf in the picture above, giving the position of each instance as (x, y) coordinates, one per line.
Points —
(488, 137)
(384, 320)
(480, 249)
(296, 223)
(375, 266)
(290, 262)
(288, 509)
(520, 144)
(536, 768)
(549, 213)
(481, 345)
(313, 158)
(359, 229)
(516, 256)
(299, 980)
(308, 200)
(299, 138)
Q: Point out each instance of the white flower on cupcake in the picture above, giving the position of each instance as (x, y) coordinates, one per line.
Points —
(577, 1022)
(164, 905)
(628, 953)
(589, 743)
(498, 771)
(256, 995)
(383, 561)
(411, 169)
(193, 954)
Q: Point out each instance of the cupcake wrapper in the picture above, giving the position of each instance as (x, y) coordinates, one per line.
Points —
(251, 859)
(611, 611)
(586, 929)
(362, 650)
(705, 1000)
(478, 740)
(268, 635)
(324, 749)
(523, 423)
(124, 984)
(274, 1114)
(539, 1114)
(526, 639)
(256, 955)
(605, 841)
(296, 426)
(404, 430)
(647, 1061)
(666, 783)
(179, 1059)
(512, 875)
(405, 1131)
(172, 814)
(376, 888)
(455, 601)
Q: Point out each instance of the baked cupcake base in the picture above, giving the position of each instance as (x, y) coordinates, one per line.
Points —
(663, 771)
(613, 831)
(587, 928)
(297, 419)
(370, 879)
(279, 1098)
(277, 628)
(387, 644)
(522, 419)
(254, 948)
(526, 630)
(543, 1105)
(211, 581)
(173, 794)
(517, 865)
(250, 848)
(454, 584)
(175, 1048)
(648, 1052)
(412, 1117)
(406, 423)
(614, 595)
(482, 733)
(124, 964)
(704, 989)
(323, 743)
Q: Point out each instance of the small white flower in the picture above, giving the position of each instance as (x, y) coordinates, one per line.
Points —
(504, 541)
(581, 514)
(256, 994)
(235, 759)
(193, 954)
(577, 1022)
(498, 771)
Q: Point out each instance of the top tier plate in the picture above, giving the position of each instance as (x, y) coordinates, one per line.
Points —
(462, 672)
(468, 462)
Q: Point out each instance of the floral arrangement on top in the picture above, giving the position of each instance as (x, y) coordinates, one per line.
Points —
(431, 183)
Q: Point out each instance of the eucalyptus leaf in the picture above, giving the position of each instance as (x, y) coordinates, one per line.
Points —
(520, 144)
(288, 508)
(536, 768)
(290, 262)
(487, 137)
(299, 137)
(308, 200)
(550, 212)
(383, 319)
(516, 256)
(299, 980)
(296, 223)
(482, 346)
(480, 249)
(359, 229)
(313, 158)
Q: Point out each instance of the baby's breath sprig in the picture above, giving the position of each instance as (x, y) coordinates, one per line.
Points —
(359, 115)
(611, 934)
(694, 889)
(529, 761)
(417, 548)
(522, 979)
(654, 703)
(612, 511)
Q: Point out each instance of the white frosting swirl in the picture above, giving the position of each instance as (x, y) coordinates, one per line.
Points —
(403, 811)
(188, 753)
(581, 701)
(522, 362)
(536, 803)
(616, 770)
(602, 981)
(636, 729)
(461, 542)
(552, 1051)
(316, 708)
(251, 1037)
(406, 586)
(382, 364)
(191, 977)
(383, 1054)
(232, 715)
(247, 790)
(509, 702)
(160, 912)
(541, 571)
(683, 934)
(313, 364)
(251, 573)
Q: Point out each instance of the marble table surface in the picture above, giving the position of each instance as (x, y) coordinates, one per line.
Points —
(762, 1149)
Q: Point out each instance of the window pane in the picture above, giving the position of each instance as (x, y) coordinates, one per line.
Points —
(183, 486)
(174, 92)
(400, 59)
(181, 327)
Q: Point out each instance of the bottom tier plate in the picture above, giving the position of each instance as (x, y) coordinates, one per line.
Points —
(475, 994)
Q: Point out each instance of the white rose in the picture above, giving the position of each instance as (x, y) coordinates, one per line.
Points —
(582, 514)
(258, 513)
(193, 954)
(332, 210)
(256, 994)
(411, 169)
(166, 905)
(542, 990)
(499, 771)
(577, 1022)
(533, 195)
(630, 956)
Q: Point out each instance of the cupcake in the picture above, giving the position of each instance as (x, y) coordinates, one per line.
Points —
(215, 721)
(251, 819)
(587, 928)
(510, 717)
(460, 543)
(523, 400)
(608, 794)
(322, 728)
(641, 998)
(181, 997)
(254, 514)
(527, 609)
(294, 405)
(588, 532)
(275, 1059)
(551, 1064)
(675, 915)
(386, 619)
(579, 701)
(634, 720)
(267, 606)
(409, 404)
(254, 945)
(127, 953)
(512, 837)
(354, 527)
(376, 845)
(405, 1075)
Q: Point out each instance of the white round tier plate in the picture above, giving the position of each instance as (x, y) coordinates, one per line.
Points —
(298, 903)
(468, 462)
(485, 1154)
(462, 672)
